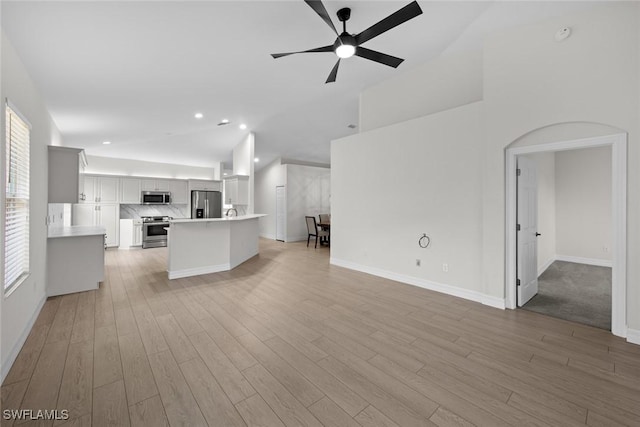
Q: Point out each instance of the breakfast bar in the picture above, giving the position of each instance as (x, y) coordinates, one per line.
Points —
(203, 246)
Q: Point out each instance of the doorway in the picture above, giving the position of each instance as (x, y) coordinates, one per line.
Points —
(618, 250)
(281, 213)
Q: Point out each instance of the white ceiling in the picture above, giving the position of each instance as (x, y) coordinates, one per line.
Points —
(134, 73)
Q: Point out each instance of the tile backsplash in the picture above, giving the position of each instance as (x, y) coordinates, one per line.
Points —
(137, 211)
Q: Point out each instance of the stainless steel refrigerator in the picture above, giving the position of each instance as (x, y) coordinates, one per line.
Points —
(206, 204)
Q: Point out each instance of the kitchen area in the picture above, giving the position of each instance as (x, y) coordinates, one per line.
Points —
(125, 212)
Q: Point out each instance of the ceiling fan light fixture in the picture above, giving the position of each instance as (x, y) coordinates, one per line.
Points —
(345, 51)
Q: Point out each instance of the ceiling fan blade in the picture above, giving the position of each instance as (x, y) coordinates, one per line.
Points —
(382, 58)
(408, 12)
(319, 8)
(328, 48)
(333, 73)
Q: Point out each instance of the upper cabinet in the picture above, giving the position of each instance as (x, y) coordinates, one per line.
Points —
(130, 189)
(100, 189)
(179, 192)
(155, 184)
(204, 185)
(66, 170)
(236, 190)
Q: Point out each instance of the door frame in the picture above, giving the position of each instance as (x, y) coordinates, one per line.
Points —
(285, 214)
(618, 144)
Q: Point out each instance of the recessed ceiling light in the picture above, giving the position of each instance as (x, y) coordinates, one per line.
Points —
(106, 142)
(198, 115)
(243, 126)
(256, 159)
(225, 174)
(223, 122)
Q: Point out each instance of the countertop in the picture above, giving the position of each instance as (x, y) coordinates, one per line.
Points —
(223, 219)
(76, 231)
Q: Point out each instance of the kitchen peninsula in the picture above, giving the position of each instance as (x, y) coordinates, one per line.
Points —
(203, 246)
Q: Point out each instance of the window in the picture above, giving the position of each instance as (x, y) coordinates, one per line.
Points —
(16, 222)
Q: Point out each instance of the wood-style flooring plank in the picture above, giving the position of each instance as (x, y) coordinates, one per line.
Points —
(228, 376)
(110, 405)
(330, 414)
(178, 401)
(294, 382)
(76, 389)
(138, 378)
(256, 413)
(10, 398)
(107, 366)
(283, 403)
(216, 407)
(149, 412)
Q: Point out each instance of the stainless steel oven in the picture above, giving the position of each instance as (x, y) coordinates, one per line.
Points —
(156, 198)
(154, 231)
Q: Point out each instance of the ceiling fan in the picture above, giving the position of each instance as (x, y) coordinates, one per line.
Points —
(348, 45)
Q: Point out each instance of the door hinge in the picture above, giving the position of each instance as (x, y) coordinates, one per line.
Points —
(517, 282)
(517, 227)
(518, 172)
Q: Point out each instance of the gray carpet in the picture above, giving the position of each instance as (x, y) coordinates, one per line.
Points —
(577, 292)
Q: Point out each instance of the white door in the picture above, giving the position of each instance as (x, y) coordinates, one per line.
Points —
(281, 216)
(527, 220)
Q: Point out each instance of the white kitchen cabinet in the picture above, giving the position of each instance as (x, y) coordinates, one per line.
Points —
(130, 233)
(106, 215)
(236, 190)
(151, 184)
(99, 189)
(179, 191)
(137, 232)
(130, 189)
(204, 185)
(66, 170)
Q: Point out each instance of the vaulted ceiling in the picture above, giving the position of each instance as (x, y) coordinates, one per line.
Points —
(135, 73)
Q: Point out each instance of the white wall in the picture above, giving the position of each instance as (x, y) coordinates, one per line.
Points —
(436, 188)
(22, 306)
(308, 192)
(583, 203)
(267, 179)
(446, 82)
(545, 165)
(243, 164)
(531, 82)
(113, 166)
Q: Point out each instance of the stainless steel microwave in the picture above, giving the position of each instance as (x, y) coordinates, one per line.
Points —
(156, 198)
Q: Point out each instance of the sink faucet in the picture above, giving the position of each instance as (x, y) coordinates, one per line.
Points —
(229, 210)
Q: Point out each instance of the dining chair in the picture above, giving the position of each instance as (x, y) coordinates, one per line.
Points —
(324, 218)
(312, 229)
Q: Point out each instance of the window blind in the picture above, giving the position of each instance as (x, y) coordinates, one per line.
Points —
(16, 223)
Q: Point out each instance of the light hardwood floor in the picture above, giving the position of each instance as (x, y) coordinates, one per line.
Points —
(287, 339)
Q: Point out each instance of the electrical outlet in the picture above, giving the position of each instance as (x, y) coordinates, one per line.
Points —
(417, 263)
(445, 268)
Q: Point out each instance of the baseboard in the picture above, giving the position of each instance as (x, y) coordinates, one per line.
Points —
(296, 239)
(633, 336)
(588, 261)
(268, 236)
(188, 272)
(13, 354)
(421, 283)
(546, 265)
